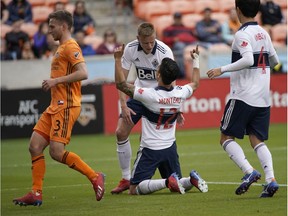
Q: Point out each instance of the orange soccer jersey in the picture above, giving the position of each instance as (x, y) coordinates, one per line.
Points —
(65, 95)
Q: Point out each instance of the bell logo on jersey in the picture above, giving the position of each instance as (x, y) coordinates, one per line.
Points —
(140, 91)
(244, 44)
(146, 74)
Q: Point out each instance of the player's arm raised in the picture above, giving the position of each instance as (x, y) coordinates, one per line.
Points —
(196, 72)
(120, 79)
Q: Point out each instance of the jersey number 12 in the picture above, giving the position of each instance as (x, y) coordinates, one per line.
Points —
(167, 123)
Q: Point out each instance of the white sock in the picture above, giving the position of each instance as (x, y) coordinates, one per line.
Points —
(186, 183)
(265, 159)
(150, 186)
(236, 154)
(124, 157)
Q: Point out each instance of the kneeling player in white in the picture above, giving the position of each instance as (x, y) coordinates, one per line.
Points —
(158, 148)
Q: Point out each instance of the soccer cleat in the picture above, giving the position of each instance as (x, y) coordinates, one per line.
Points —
(269, 189)
(123, 185)
(98, 186)
(248, 179)
(174, 184)
(29, 199)
(198, 182)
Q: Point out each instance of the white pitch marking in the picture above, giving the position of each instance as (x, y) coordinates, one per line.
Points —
(81, 185)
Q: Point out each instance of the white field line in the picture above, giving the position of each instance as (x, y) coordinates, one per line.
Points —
(115, 158)
(114, 183)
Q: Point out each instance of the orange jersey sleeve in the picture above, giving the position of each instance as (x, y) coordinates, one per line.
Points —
(65, 95)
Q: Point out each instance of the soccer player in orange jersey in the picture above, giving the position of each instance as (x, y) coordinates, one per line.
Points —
(55, 124)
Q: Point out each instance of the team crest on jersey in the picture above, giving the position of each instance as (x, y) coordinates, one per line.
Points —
(140, 91)
(155, 63)
(244, 44)
(76, 54)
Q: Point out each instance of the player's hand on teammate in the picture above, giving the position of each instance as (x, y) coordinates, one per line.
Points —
(126, 114)
(118, 52)
(48, 84)
(215, 72)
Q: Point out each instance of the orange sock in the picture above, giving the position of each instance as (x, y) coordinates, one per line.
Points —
(76, 163)
(38, 172)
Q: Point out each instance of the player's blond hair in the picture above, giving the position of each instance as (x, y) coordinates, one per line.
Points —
(146, 29)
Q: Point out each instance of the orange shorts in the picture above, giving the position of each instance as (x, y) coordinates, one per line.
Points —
(58, 127)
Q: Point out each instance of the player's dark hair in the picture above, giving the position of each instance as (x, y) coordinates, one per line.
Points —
(249, 8)
(146, 29)
(169, 70)
(62, 16)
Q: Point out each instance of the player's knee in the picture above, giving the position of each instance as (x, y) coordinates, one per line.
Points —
(221, 141)
(35, 149)
(55, 155)
(225, 139)
(121, 134)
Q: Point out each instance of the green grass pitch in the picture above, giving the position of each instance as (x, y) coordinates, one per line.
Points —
(67, 192)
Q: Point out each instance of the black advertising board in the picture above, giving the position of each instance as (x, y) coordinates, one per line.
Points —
(91, 118)
(21, 109)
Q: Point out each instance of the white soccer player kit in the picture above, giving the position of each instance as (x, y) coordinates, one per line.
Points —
(159, 118)
(251, 84)
(252, 53)
(146, 64)
(248, 110)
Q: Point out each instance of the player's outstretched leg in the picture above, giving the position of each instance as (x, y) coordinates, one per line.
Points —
(248, 179)
(32, 198)
(198, 182)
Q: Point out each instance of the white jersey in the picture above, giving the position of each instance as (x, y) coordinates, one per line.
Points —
(146, 64)
(161, 107)
(252, 84)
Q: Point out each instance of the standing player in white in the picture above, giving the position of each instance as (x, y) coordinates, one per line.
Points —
(248, 110)
(158, 143)
(146, 53)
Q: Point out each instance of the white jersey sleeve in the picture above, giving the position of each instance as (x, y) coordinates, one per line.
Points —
(243, 45)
